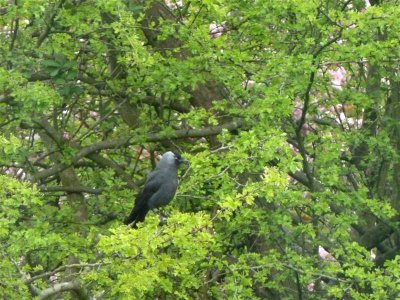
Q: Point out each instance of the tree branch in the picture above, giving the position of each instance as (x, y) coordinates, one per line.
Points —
(172, 105)
(25, 277)
(62, 268)
(97, 158)
(70, 189)
(192, 133)
(373, 236)
(380, 259)
(14, 34)
(152, 137)
(72, 286)
(46, 32)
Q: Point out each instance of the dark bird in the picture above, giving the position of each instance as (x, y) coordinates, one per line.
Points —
(159, 188)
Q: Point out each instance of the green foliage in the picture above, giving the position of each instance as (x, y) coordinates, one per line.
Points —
(167, 258)
(15, 198)
(35, 98)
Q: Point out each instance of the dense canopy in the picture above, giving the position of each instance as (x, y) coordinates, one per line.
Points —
(288, 111)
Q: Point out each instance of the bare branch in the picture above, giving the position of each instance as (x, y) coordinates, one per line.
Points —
(14, 34)
(152, 137)
(191, 133)
(72, 286)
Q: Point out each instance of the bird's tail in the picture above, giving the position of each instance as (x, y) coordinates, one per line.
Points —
(136, 216)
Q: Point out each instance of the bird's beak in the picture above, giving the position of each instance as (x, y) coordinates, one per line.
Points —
(183, 161)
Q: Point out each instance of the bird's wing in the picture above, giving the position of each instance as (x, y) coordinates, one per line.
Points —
(141, 208)
(150, 187)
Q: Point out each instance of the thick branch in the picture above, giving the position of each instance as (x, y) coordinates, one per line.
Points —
(71, 286)
(14, 34)
(300, 177)
(391, 254)
(153, 137)
(172, 105)
(109, 144)
(375, 235)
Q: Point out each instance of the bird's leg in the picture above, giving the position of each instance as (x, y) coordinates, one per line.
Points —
(155, 210)
(163, 215)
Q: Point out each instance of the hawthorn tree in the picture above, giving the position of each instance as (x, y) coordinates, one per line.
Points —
(287, 110)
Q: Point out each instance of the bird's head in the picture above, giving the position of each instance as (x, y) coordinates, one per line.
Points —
(179, 159)
(171, 158)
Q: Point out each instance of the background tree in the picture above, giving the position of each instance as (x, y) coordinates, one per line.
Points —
(288, 111)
